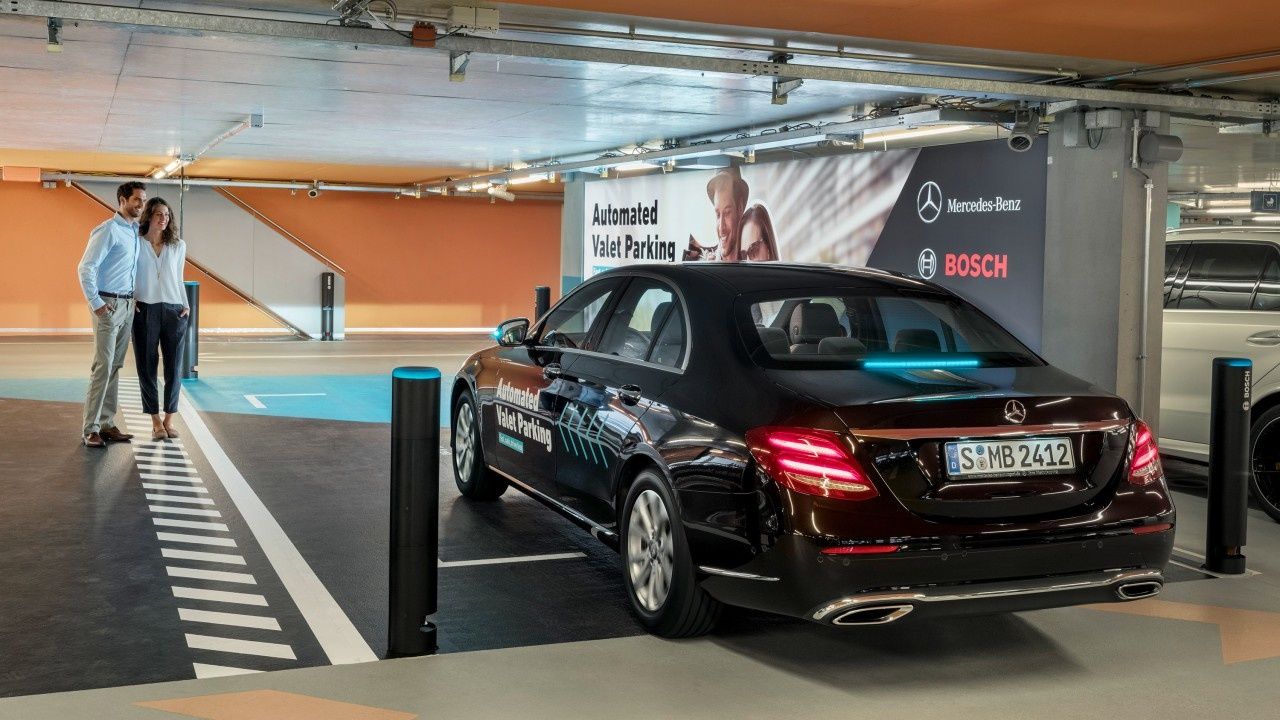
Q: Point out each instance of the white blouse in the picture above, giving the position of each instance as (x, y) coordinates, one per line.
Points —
(159, 277)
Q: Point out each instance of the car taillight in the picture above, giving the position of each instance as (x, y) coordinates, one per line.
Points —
(1144, 463)
(813, 462)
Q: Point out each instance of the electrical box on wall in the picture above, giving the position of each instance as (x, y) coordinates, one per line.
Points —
(472, 19)
(1102, 119)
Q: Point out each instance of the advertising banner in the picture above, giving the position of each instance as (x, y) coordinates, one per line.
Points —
(970, 217)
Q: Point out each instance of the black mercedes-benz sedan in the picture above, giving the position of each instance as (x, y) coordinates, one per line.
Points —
(847, 446)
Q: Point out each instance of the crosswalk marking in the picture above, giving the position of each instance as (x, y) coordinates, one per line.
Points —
(190, 524)
(181, 499)
(221, 618)
(176, 554)
(173, 469)
(174, 488)
(196, 539)
(243, 647)
(172, 478)
(215, 575)
(204, 670)
(184, 511)
(225, 596)
(163, 459)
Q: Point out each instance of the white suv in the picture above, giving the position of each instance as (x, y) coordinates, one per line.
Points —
(1222, 299)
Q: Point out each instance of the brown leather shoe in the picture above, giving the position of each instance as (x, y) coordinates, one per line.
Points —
(114, 435)
(93, 440)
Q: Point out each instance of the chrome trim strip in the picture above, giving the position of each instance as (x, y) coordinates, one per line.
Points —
(736, 575)
(596, 529)
(989, 431)
(986, 591)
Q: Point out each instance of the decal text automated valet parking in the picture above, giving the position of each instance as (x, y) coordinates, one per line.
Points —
(527, 426)
(628, 246)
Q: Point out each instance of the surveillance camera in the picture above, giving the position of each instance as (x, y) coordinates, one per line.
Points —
(1023, 133)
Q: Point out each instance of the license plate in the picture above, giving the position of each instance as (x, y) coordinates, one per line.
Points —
(998, 458)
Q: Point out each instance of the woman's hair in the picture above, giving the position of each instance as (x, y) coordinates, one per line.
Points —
(760, 216)
(170, 233)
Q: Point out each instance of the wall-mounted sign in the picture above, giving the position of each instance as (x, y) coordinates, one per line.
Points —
(970, 217)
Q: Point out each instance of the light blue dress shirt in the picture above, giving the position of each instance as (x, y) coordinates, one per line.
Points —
(110, 260)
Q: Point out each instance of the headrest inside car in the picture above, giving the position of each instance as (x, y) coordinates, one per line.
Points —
(775, 340)
(916, 340)
(841, 346)
(813, 321)
(660, 314)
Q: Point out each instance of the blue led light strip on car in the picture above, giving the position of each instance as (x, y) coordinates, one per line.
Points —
(921, 364)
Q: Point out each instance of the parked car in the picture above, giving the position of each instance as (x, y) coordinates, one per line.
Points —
(1222, 299)
(845, 446)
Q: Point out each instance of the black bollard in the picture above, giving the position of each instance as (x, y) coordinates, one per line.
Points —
(326, 306)
(415, 505)
(1229, 466)
(541, 301)
(191, 347)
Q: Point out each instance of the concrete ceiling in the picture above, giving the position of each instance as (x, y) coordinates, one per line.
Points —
(121, 100)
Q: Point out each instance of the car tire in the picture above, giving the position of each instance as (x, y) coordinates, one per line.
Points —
(655, 555)
(473, 477)
(1264, 453)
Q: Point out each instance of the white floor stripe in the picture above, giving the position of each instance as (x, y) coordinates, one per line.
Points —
(172, 478)
(171, 469)
(162, 458)
(195, 539)
(185, 500)
(157, 444)
(221, 618)
(516, 559)
(184, 511)
(337, 636)
(175, 554)
(187, 593)
(215, 575)
(174, 488)
(190, 524)
(161, 453)
(213, 671)
(242, 647)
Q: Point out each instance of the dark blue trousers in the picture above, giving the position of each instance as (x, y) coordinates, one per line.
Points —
(159, 331)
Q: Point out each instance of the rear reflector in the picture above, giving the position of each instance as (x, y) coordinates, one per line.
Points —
(1148, 529)
(1144, 460)
(809, 461)
(860, 549)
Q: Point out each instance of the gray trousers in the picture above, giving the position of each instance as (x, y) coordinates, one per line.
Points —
(110, 342)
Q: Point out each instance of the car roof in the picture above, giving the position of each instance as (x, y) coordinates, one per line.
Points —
(1225, 232)
(748, 277)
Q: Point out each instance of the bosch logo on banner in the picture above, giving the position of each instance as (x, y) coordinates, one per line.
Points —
(972, 265)
(927, 265)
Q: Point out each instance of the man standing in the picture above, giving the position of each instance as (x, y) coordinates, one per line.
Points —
(106, 277)
(728, 192)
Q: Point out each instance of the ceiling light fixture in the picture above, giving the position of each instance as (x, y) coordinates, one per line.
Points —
(1229, 211)
(897, 135)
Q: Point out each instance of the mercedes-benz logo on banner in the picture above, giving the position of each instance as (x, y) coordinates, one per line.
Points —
(1015, 412)
(927, 265)
(929, 202)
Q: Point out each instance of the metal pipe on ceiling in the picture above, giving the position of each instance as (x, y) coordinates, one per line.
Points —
(402, 190)
(1221, 80)
(1177, 67)
(839, 52)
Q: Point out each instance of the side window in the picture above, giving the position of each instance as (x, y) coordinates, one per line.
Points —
(646, 323)
(569, 326)
(1268, 297)
(1222, 276)
(1173, 254)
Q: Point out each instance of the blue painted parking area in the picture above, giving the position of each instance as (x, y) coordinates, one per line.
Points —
(353, 398)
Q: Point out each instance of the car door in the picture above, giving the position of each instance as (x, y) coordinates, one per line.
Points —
(520, 424)
(641, 353)
(1211, 313)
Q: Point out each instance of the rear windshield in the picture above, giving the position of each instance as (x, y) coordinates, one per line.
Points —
(883, 329)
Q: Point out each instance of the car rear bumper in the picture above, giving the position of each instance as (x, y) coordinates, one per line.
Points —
(795, 579)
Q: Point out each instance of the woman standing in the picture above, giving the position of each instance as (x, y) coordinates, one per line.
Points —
(160, 324)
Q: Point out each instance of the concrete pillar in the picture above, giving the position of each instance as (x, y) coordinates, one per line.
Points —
(1094, 241)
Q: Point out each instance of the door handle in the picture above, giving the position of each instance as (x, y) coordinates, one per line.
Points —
(1266, 338)
(630, 394)
(552, 371)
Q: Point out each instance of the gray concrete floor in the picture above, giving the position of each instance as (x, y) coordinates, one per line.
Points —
(1067, 663)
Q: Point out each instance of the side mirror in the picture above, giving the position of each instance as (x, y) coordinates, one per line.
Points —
(511, 333)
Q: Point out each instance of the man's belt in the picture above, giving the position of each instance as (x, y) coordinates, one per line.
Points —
(118, 296)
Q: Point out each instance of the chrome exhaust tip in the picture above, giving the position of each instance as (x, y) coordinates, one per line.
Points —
(1139, 590)
(873, 615)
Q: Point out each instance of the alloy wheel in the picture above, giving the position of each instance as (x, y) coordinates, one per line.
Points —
(650, 550)
(1266, 463)
(464, 442)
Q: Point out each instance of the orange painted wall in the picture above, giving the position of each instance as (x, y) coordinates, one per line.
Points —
(42, 237)
(434, 262)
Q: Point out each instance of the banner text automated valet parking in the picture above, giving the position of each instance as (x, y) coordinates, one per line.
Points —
(970, 217)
